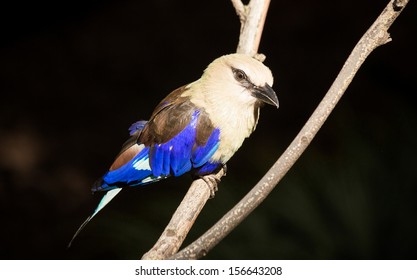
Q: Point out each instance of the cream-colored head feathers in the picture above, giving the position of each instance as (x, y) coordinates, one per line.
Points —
(258, 73)
(229, 101)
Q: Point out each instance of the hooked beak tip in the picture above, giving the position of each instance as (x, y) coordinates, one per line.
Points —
(267, 95)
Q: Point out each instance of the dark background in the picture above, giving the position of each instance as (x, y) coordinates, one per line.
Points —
(74, 76)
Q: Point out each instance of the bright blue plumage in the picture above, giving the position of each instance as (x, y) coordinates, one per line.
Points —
(175, 157)
(203, 153)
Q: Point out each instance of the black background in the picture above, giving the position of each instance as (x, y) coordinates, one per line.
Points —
(75, 74)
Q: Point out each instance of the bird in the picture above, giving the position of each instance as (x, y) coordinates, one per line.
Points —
(196, 128)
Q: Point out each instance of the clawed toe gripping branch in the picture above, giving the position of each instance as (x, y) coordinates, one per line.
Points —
(252, 17)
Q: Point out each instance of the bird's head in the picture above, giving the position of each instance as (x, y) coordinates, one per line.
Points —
(240, 77)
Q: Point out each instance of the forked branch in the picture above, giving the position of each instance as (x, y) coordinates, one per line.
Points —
(376, 35)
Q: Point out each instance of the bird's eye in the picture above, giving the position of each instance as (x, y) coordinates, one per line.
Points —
(239, 75)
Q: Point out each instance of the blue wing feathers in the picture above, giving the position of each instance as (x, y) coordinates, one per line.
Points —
(203, 153)
(137, 126)
(175, 157)
(208, 168)
(156, 159)
(166, 167)
(160, 160)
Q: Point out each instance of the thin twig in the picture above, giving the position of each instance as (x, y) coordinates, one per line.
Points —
(252, 26)
(376, 35)
(240, 10)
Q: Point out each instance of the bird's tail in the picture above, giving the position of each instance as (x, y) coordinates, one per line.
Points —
(103, 202)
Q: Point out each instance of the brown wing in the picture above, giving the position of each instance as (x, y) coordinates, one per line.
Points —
(127, 153)
(171, 116)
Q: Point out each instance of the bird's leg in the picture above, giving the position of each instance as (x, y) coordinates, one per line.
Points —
(212, 181)
(224, 167)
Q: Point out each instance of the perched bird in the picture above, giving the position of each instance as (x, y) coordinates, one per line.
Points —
(197, 127)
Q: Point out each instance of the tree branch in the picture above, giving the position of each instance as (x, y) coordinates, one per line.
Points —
(252, 25)
(182, 220)
(252, 18)
(240, 11)
(376, 35)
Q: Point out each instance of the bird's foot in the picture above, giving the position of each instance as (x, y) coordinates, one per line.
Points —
(212, 181)
(224, 167)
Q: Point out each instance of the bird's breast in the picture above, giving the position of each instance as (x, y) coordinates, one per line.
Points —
(235, 125)
(236, 118)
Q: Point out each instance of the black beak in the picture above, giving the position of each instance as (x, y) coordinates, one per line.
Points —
(266, 94)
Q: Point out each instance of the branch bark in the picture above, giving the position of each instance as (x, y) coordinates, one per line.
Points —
(376, 36)
(252, 19)
(240, 11)
(182, 220)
